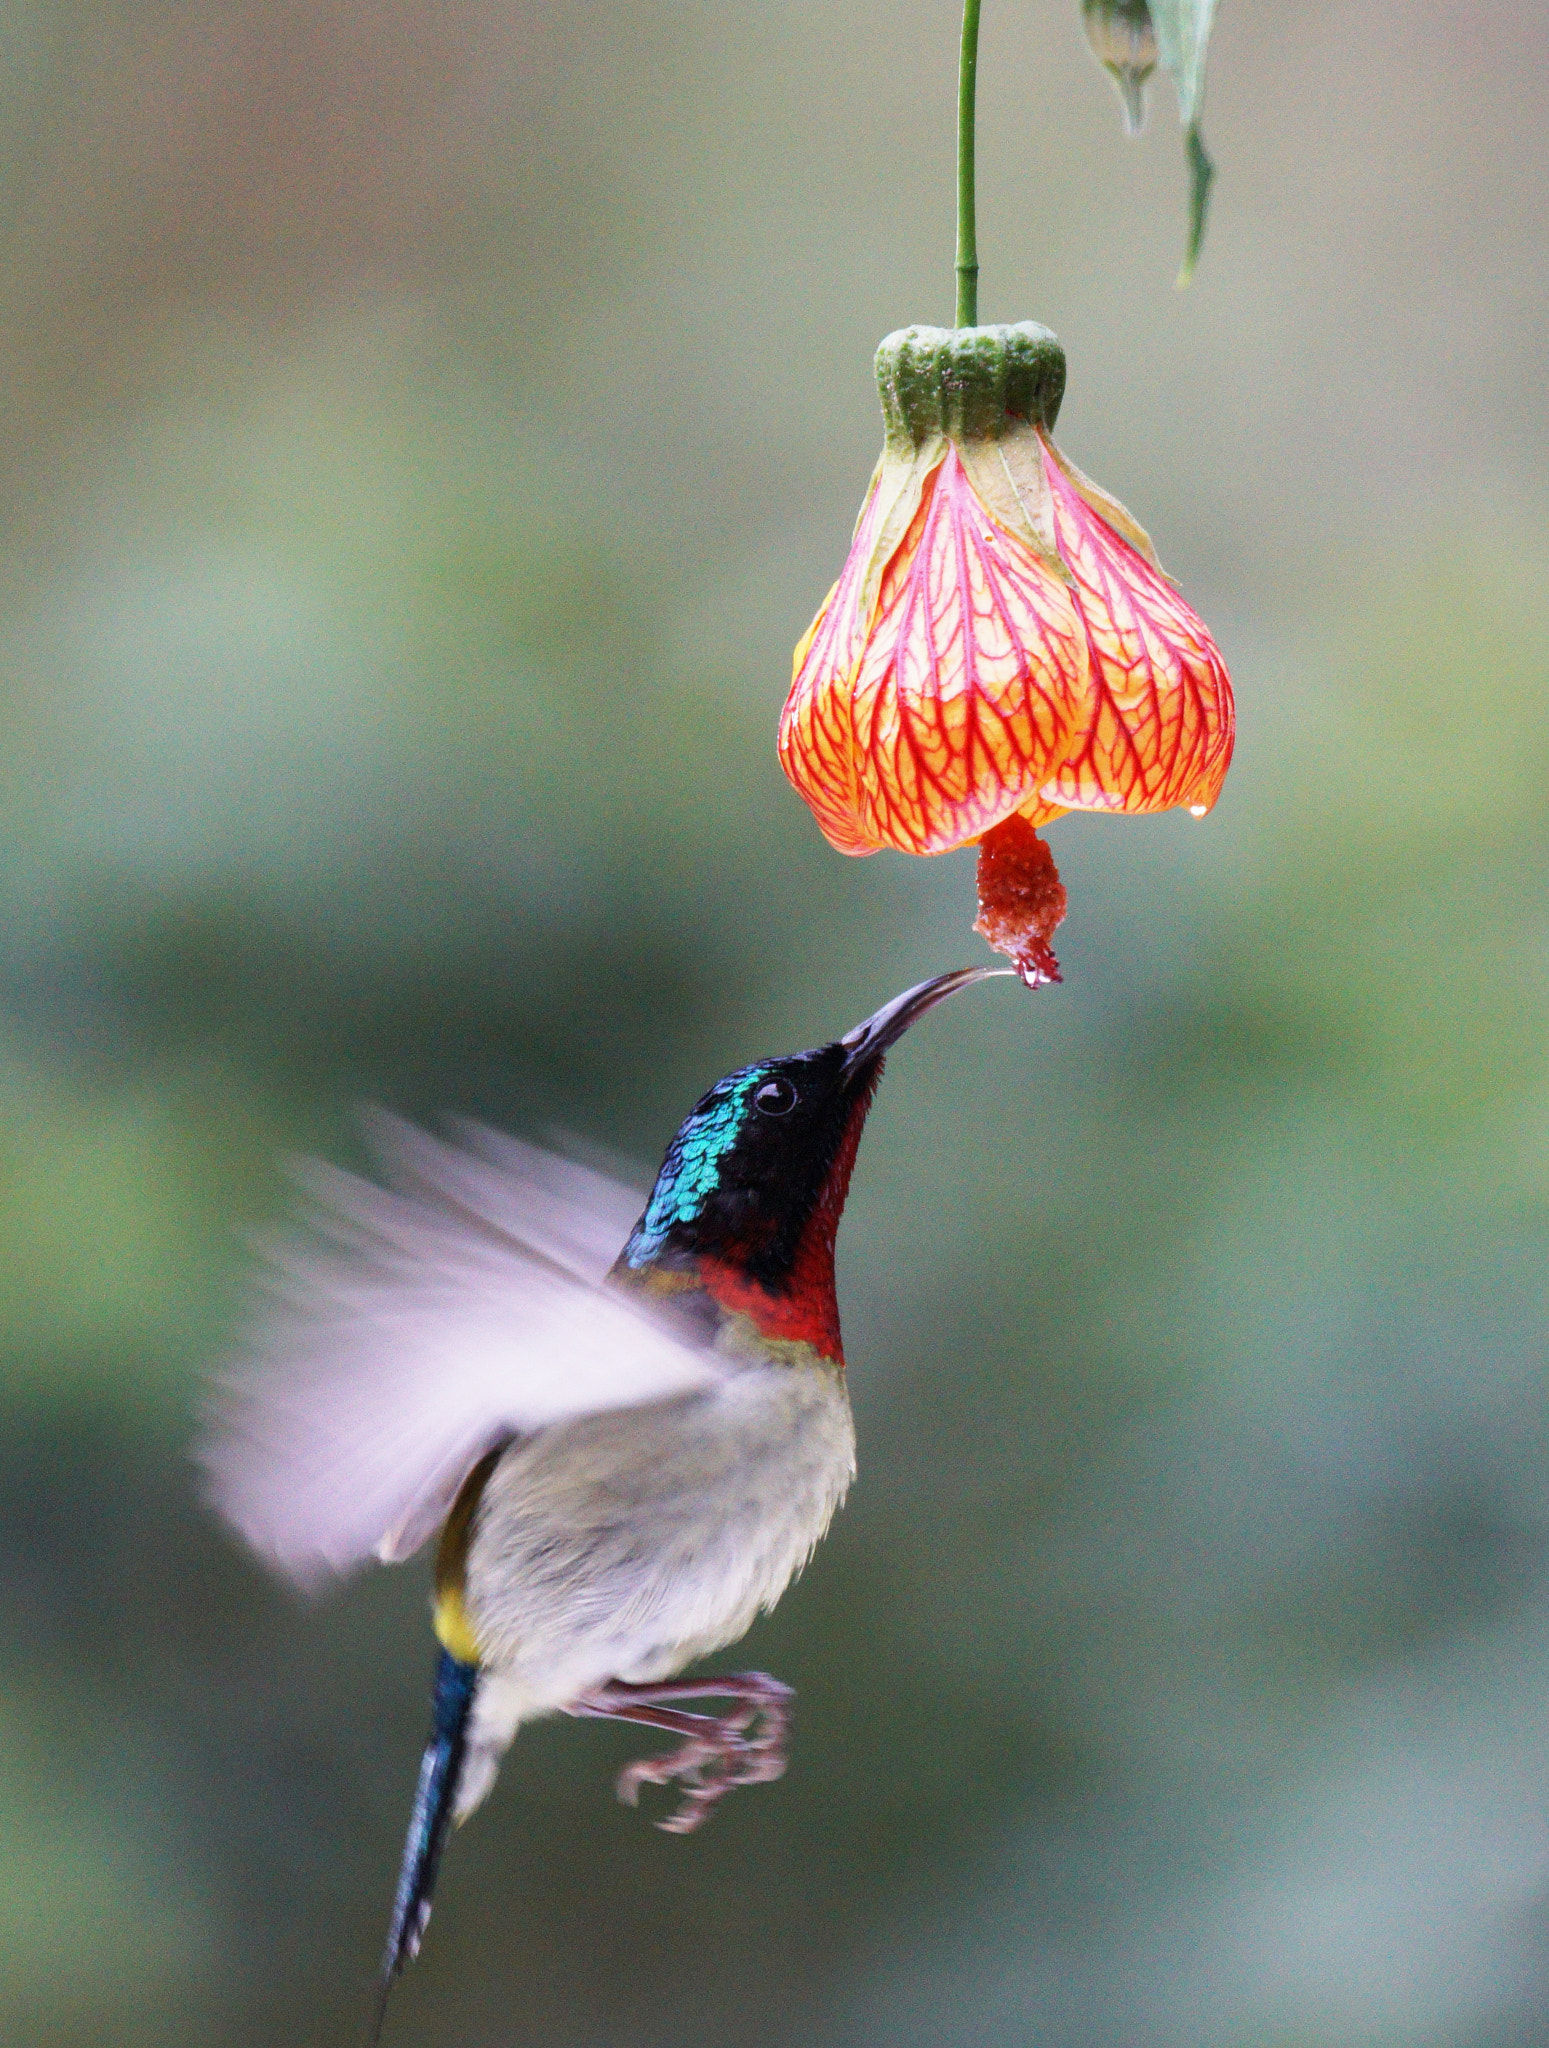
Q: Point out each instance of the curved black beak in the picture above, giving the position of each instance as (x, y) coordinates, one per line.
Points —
(884, 1027)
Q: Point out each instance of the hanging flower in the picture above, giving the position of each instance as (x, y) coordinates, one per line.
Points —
(1002, 643)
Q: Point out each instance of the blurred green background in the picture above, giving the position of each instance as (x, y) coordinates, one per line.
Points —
(427, 430)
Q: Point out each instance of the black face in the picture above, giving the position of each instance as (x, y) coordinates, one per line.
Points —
(751, 1161)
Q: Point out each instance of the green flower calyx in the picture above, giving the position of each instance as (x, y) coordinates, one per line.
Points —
(968, 383)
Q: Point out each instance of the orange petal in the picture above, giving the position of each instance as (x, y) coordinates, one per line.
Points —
(817, 739)
(972, 680)
(1160, 718)
(817, 735)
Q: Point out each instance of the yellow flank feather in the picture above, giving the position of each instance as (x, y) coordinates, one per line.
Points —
(454, 1631)
(453, 1626)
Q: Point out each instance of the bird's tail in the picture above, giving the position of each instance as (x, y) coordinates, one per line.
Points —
(435, 1802)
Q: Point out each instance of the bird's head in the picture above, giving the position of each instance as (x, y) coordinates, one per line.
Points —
(747, 1204)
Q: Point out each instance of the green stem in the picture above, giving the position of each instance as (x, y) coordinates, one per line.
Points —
(967, 238)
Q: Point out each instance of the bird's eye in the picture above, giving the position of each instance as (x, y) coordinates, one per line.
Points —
(775, 1097)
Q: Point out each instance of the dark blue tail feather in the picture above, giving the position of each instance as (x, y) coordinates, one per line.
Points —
(434, 1798)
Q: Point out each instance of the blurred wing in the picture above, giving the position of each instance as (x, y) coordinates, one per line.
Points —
(568, 1213)
(404, 1333)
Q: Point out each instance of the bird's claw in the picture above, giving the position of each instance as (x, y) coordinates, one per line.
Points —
(744, 1747)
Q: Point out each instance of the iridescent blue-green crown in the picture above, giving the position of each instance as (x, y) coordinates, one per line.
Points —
(691, 1172)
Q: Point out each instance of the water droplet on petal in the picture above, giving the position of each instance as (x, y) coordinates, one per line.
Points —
(1198, 810)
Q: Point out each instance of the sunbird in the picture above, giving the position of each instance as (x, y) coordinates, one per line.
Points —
(628, 1456)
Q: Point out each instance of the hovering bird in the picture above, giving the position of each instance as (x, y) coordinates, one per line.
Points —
(627, 1457)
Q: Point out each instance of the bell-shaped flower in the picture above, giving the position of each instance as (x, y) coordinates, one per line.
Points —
(1002, 642)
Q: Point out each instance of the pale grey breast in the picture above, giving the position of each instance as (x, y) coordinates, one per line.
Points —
(625, 1545)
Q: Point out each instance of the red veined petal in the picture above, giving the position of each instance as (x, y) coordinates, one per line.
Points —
(972, 680)
(817, 741)
(1160, 718)
(817, 736)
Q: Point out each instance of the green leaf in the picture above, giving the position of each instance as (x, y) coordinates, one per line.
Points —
(1201, 171)
(1182, 37)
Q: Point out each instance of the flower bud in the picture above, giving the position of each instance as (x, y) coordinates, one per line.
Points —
(1124, 43)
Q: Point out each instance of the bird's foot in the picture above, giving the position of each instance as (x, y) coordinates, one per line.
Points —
(730, 1752)
(718, 1753)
